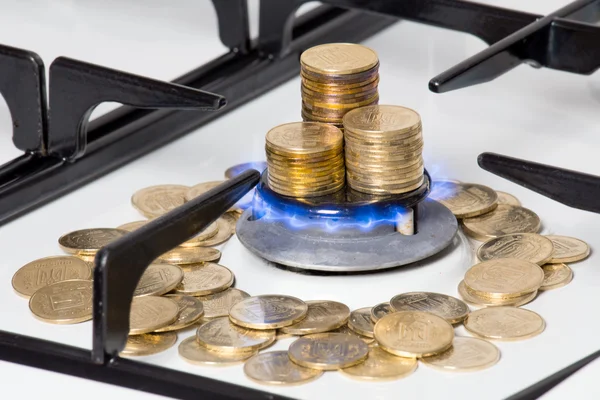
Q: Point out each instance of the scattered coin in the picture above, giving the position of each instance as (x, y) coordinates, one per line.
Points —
(556, 275)
(503, 220)
(48, 270)
(568, 249)
(380, 310)
(504, 277)
(88, 258)
(450, 308)
(268, 311)
(155, 201)
(465, 200)
(381, 366)
(89, 241)
(507, 198)
(132, 226)
(504, 323)
(158, 279)
(225, 229)
(482, 301)
(347, 331)
(322, 316)
(191, 351)
(66, 302)
(202, 188)
(466, 354)
(220, 334)
(276, 368)
(190, 312)
(530, 247)
(360, 322)
(328, 351)
(218, 304)
(204, 279)
(150, 313)
(208, 233)
(149, 343)
(413, 334)
(191, 255)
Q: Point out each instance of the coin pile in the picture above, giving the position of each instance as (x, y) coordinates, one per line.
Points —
(512, 247)
(186, 287)
(336, 78)
(305, 159)
(383, 150)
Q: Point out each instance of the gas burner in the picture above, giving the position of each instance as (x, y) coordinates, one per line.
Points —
(346, 231)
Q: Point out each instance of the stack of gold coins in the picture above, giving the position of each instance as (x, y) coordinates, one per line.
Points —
(305, 159)
(485, 284)
(336, 78)
(383, 149)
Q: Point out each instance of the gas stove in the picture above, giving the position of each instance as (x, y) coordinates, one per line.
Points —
(526, 113)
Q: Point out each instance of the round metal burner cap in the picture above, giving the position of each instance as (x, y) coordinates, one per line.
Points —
(324, 251)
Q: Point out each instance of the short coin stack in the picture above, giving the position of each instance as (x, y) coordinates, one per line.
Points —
(336, 78)
(305, 159)
(384, 147)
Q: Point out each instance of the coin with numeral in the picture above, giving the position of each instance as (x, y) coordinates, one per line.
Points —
(328, 351)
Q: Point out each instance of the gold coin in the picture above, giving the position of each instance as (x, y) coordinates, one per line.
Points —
(155, 201)
(276, 368)
(568, 249)
(338, 59)
(89, 240)
(158, 279)
(503, 220)
(324, 108)
(450, 308)
(202, 188)
(530, 247)
(467, 354)
(194, 353)
(150, 313)
(328, 351)
(465, 200)
(218, 304)
(384, 189)
(380, 310)
(381, 366)
(205, 279)
(340, 87)
(268, 311)
(556, 275)
(381, 120)
(360, 322)
(504, 277)
(148, 343)
(347, 331)
(481, 301)
(319, 159)
(66, 302)
(504, 323)
(507, 198)
(221, 335)
(400, 333)
(190, 312)
(191, 255)
(48, 270)
(304, 138)
(198, 240)
(88, 258)
(322, 316)
(226, 228)
(132, 226)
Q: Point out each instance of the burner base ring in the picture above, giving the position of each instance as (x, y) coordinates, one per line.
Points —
(275, 242)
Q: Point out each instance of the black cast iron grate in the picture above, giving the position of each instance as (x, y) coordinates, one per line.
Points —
(62, 151)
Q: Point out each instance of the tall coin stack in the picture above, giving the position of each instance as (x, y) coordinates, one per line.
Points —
(305, 159)
(383, 149)
(337, 78)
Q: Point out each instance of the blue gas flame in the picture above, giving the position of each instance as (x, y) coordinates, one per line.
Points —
(260, 166)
